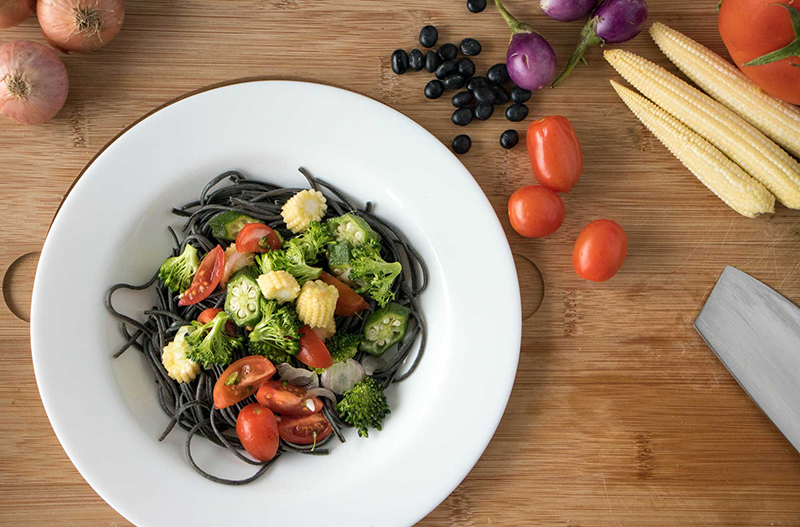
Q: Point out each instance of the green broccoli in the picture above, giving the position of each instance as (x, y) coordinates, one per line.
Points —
(343, 346)
(276, 337)
(292, 260)
(177, 272)
(373, 273)
(364, 406)
(209, 344)
(312, 241)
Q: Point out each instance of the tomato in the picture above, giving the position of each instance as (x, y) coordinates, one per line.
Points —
(257, 238)
(555, 153)
(313, 352)
(535, 211)
(257, 429)
(234, 261)
(300, 430)
(600, 250)
(241, 380)
(205, 279)
(287, 399)
(753, 28)
(349, 302)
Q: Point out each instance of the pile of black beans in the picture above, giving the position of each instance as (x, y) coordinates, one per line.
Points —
(477, 96)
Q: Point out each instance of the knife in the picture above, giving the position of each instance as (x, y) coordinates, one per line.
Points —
(755, 332)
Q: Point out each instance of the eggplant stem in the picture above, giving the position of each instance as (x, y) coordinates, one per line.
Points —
(589, 39)
(515, 25)
(790, 50)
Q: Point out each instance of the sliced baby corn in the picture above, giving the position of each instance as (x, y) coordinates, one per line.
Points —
(722, 176)
(777, 119)
(735, 137)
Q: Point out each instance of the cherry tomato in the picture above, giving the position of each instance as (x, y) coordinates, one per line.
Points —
(208, 315)
(300, 430)
(313, 352)
(287, 399)
(535, 212)
(555, 153)
(257, 429)
(241, 380)
(257, 238)
(206, 278)
(600, 250)
(349, 302)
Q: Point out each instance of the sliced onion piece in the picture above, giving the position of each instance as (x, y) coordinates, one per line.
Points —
(322, 392)
(298, 376)
(342, 376)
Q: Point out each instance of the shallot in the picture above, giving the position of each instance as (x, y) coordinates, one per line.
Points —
(80, 25)
(15, 12)
(33, 82)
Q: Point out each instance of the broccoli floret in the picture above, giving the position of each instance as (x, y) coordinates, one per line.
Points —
(312, 241)
(373, 273)
(177, 272)
(364, 406)
(343, 346)
(291, 260)
(276, 335)
(209, 344)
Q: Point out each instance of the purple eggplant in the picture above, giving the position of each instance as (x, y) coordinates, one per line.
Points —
(530, 60)
(567, 10)
(613, 22)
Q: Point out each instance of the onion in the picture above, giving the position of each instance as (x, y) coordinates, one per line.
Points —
(322, 392)
(80, 25)
(298, 376)
(15, 12)
(33, 82)
(342, 376)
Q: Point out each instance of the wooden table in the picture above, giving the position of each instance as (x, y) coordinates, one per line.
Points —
(620, 414)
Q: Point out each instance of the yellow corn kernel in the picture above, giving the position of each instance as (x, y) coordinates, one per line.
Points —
(303, 208)
(328, 331)
(777, 119)
(722, 176)
(732, 135)
(317, 303)
(174, 359)
(278, 285)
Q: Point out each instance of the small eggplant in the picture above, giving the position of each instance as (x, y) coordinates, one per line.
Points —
(613, 22)
(567, 10)
(530, 60)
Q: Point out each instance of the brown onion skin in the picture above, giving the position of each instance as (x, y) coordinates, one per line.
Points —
(15, 12)
(60, 26)
(49, 84)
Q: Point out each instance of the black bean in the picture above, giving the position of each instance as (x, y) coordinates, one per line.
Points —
(484, 111)
(477, 82)
(520, 95)
(461, 144)
(446, 69)
(415, 60)
(502, 95)
(454, 82)
(516, 112)
(509, 139)
(432, 61)
(399, 61)
(476, 6)
(448, 51)
(466, 68)
(434, 89)
(498, 74)
(461, 99)
(470, 47)
(485, 95)
(428, 36)
(462, 116)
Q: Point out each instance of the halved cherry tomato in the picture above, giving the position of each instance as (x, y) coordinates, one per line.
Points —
(555, 153)
(257, 238)
(257, 429)
(208, 315)
(300, 430)
(535, 211)
(241, 380)
(206, 278)
(349, 302)
(600, 250)
(287, 399)
(313, 352)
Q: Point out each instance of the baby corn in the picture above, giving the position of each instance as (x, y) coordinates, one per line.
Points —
(722, 176)
(778, 120)
(749, 148)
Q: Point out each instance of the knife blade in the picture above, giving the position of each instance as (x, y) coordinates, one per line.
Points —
(755, 332)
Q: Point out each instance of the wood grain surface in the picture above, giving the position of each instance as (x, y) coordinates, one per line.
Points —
(620, 415)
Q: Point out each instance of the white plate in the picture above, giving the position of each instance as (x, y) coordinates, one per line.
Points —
(111, 228)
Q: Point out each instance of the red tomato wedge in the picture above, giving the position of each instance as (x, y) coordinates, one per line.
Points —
(313, 352)
(349, 302)
(300, 430)
(257, 429)
(206, 279)
(241, 380)
(287, 399)
(257, 238)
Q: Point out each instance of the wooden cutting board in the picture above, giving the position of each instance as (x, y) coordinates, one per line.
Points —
(620, 415)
